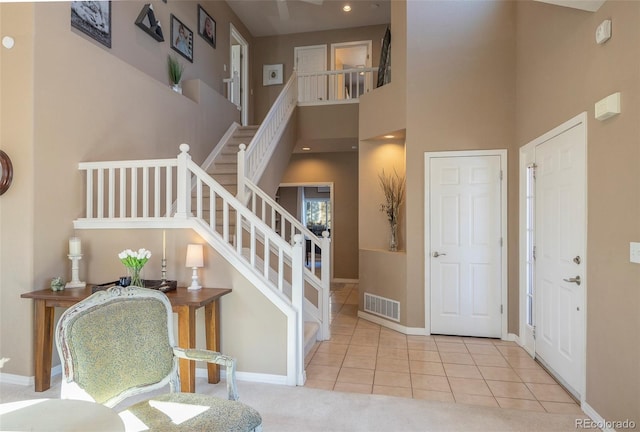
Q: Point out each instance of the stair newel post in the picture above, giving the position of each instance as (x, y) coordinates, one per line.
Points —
(297, 298)
(183, 192)
(325, 278)
(241, 177)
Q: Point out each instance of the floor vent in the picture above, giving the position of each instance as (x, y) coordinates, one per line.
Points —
(382, 306)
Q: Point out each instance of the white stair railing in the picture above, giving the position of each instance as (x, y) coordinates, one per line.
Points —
(288, 227)
(268, 134)
(336, 86)
(117, 198)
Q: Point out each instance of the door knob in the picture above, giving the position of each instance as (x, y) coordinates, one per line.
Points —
(436, 254)
(575, 280)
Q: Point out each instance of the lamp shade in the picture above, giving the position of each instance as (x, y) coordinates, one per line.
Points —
(194, 255)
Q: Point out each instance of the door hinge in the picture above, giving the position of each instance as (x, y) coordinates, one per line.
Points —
(533, 253)
(501, 174)
(534, 168)
(501, 309)
(501, 241)
(534, 332)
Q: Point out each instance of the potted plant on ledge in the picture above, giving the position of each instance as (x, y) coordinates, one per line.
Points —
(175, 73)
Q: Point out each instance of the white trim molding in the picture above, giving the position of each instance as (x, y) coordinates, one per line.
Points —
(413, 331)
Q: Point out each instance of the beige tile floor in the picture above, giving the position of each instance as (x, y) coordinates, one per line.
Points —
(364, 357)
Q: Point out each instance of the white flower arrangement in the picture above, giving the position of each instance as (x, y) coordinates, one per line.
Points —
(134, 259)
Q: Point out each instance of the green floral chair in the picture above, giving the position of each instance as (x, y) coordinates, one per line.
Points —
(119, 343)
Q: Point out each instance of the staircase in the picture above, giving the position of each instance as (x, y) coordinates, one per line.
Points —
(177, 193)
(224, 169)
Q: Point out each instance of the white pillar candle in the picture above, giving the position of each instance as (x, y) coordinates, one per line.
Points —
(74, 246)
(164, 244)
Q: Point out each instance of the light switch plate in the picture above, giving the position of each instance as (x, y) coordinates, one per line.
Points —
(603, 32)
(634, 252)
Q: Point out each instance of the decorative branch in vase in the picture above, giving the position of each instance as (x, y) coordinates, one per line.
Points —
(175, 73)
(393, 187)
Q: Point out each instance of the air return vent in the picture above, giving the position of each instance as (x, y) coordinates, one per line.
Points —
(382, 306)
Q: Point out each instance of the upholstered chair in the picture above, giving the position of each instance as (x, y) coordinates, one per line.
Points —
(119, 343)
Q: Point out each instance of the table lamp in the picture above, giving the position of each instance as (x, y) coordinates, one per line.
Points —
(194, 260)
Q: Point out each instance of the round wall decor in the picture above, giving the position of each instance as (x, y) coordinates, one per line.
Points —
(6, 172)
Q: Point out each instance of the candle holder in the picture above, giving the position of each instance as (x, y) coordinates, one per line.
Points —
(164, 269)
(75, 278)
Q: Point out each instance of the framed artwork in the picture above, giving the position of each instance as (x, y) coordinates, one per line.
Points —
(271, 74)
(93, 18)
(181, 38)
(206, 26)
(147, 21)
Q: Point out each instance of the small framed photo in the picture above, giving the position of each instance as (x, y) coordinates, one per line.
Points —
(206, 26)
(271, 74)
(147, 21)
(181, 38)
(93, 18)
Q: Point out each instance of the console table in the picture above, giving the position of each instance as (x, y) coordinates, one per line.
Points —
(184, 303)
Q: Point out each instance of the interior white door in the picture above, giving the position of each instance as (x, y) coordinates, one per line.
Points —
(235, 76)
(560, 255)
(311, 59)
(465, 245)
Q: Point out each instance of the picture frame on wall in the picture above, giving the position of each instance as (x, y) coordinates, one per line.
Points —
(181, 38)
(147, 21)
(271, 74)
(206, 26)
(93, 19)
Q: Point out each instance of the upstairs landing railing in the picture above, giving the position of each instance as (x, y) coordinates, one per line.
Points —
(336, 86)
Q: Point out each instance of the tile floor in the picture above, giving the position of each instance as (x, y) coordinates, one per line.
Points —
(364, 357)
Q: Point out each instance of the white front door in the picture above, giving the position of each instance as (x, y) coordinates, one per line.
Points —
(465, 202)
(560, 227)
(311, 59)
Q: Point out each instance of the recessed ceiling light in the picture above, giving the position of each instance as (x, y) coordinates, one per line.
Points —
(389, 136)
(346, 8)
(306, 148)
(354, 147)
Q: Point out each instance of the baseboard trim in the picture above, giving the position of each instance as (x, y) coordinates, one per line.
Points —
(24, 380)
(7, 378)
(413, 331)
(248, 376)
(343, 280)
(598, 421)
(513, 338)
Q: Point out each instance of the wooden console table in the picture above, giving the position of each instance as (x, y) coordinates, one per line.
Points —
(184, 303)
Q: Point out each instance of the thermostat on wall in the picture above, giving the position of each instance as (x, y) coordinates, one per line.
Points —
(608, 107)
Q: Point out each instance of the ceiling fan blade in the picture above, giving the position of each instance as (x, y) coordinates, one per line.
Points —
(283, 10)
(315, 2)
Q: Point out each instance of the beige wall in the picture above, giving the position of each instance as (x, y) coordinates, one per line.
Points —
(341, 169)
(72, 100)
(270, 179)
(582, 73)
(132, 45)
(279, 49)
(460, 96)
(335, 126)
(384, 110)
(17, 204)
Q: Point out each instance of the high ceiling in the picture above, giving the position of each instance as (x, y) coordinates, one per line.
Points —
(279, 17)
